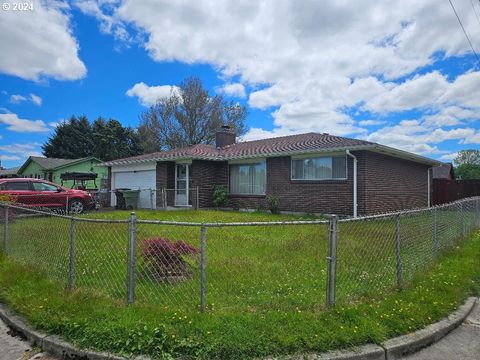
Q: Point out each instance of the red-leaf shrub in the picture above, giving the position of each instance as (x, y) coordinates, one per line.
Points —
(166, 258)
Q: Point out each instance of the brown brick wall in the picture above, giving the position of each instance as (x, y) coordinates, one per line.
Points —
(384, 184)
(165, 180)
(331, 196)
(394, 184)
(205, 174)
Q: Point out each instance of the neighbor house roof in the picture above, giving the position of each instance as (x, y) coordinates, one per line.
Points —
(444, 171)
(9, 172)
(278, 146)
(54, 163)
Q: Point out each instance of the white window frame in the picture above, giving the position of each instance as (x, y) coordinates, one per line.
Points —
(247, 162)
(316, 156)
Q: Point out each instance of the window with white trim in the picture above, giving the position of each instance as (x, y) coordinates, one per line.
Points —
(320, 168)
(248, 179)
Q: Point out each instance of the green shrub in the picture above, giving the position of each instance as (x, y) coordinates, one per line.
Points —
(220, 196)
(273, 204)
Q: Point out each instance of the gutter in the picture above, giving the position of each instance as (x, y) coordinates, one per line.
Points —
(355, 185)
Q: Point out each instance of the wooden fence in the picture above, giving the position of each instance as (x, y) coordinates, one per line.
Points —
(445, 191)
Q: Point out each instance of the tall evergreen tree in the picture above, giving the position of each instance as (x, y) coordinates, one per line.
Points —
(106, 140)
(72, 140)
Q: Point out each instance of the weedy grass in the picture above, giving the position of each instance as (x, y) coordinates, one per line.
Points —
(265, 285)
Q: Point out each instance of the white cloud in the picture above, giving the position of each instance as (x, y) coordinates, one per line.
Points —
(16, 124)
(37, 100)
(311, 61)
(371, 122)
(17, 99)
(417, 136)
(40, 43)
(9, 157)
(418, 92)
(148, 95)
(464, 90)
(234, 90)
(102, 10)
(448, 157)
(21, 150)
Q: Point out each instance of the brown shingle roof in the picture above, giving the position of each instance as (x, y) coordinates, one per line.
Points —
(292, 144)
(289, 144)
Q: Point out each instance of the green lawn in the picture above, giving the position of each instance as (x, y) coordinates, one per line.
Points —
(249, 269)
(94, 320)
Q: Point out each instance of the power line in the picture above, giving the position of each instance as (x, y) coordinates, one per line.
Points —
(475, 10)
(464, 31)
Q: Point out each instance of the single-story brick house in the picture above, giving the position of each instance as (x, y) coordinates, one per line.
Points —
(312, 172)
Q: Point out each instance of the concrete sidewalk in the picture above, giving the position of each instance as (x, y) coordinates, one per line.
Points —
(14, 348)
(462, 343)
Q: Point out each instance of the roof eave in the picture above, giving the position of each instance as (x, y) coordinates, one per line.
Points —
(383, 149)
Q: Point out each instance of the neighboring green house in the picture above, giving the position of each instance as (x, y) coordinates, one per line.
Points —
(51, 168)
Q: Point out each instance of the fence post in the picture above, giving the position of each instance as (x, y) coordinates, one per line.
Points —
(434, 231)
(5, 229)
(132, 246)
(198, 198)
(477, 211)
(462, 219)
(398, 238)
(71, 269)
(151, 199)
(203, 268)
(332, 260)
(66, 205)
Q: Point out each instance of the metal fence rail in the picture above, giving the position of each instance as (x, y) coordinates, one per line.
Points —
(235, 266)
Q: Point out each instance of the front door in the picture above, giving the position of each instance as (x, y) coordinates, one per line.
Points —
(181, 185)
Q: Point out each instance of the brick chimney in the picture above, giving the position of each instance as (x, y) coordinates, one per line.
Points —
(224, 137)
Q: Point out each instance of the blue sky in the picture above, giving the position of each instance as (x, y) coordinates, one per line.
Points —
(398, 74)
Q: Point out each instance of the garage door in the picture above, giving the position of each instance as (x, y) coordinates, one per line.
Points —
(140, 179)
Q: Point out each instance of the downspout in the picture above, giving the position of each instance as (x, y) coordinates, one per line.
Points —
(355, 202)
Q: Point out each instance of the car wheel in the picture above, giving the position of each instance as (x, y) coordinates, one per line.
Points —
(76, 206)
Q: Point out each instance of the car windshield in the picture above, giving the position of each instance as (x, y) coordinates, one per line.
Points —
(39, 186)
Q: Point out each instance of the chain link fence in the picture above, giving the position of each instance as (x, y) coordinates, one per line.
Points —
(232, 267)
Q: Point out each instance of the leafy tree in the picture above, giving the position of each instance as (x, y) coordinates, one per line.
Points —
(467, 157)
(188, 116)
(468, 171)
(468, 164)
(105, 140)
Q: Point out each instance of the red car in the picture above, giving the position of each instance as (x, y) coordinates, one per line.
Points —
(45, 194)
